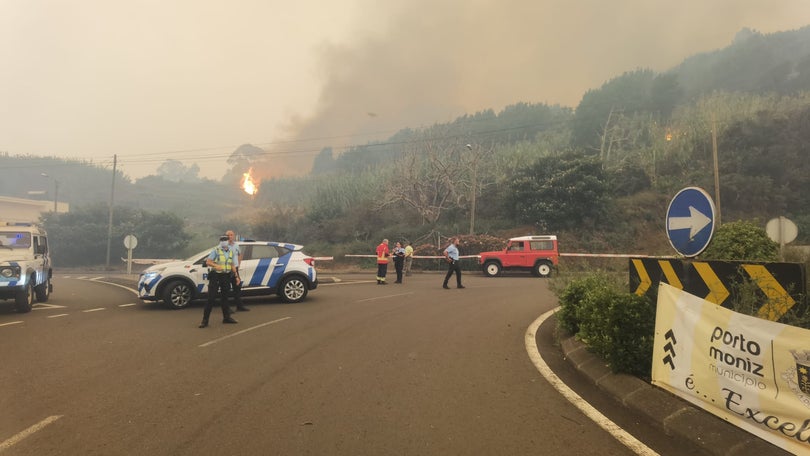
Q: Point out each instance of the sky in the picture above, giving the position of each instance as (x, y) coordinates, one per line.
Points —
(192, 80)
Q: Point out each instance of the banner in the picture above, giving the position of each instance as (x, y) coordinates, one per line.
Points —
(751, 372)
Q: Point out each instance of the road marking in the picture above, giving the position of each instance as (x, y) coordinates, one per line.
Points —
(385, 297)
(98, 279)
(93, 310)
(601, 420)
(41, 306)
(11, 323)
(242, 332)
(128, 305)
(37, 427)
(345, 283)
(60, 315)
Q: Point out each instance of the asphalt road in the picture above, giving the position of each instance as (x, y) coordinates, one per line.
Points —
(356, 369)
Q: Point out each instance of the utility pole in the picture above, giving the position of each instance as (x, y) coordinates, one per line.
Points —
(473, 190)
(55, 194)
(55, 189)
(112, 200)
(716, 172)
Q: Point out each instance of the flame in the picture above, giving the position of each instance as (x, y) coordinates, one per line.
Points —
(248, 185)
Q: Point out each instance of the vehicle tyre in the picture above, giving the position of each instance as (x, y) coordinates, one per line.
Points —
(293, 289)
(24, 301)
(43, 291)
(542, 269)
(492, 268)
(177, 294)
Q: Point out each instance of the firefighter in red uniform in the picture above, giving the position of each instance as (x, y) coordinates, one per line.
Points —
(382, 261)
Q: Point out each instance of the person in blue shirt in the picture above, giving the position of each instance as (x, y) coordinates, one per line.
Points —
(222, 264)
(451, 256)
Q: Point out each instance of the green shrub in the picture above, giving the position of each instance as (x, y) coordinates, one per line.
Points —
(741, 240)
(617, 325)
(573, 297)
(630, 325)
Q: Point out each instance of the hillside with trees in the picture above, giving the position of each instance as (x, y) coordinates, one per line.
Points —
(599, 175)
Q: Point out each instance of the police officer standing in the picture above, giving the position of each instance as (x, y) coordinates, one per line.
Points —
(451, 256)
(236, 285)
(222, 263)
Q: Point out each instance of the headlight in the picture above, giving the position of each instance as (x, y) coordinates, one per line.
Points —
(148, 276)
(10, 272)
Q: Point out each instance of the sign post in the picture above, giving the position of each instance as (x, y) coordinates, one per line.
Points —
(690, 221)
(783, 231)
(130, 242)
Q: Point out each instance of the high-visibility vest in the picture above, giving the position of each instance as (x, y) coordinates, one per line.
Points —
(224, 259)
(382, 254)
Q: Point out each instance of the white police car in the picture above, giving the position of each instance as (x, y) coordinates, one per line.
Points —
(266, 268)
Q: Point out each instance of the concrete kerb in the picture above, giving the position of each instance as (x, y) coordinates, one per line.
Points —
(670, 413)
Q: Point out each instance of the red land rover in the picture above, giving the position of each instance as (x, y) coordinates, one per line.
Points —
(537, 254)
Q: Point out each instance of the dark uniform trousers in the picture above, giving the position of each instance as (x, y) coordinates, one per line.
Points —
(219, 286)
(453, 267)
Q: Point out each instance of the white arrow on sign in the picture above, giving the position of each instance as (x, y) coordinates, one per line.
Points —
(695, 222)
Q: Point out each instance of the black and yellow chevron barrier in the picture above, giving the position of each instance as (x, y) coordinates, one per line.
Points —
(781, 285)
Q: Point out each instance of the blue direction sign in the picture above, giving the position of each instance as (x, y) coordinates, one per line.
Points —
(690, 221)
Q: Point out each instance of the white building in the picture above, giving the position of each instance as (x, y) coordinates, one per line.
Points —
(26, 210)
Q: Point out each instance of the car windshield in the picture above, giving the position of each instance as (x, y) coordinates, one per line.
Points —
(200, 255)
(14, 240)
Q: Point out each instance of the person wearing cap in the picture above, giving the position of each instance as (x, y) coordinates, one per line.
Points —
(222, 264)
(236, 286)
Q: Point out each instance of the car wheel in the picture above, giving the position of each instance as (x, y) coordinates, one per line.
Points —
(177, 294)
(25, 299)
(43, 291)
(293, 289)
(542, 269)
(492, 268)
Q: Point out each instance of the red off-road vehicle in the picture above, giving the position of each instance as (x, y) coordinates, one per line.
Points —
(537, 254)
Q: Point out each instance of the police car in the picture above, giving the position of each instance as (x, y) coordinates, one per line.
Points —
(25, 264)
(266, 268)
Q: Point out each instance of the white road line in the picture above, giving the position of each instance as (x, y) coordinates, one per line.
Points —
(11, 323)
(128, 305)
(37, 427)
(601, 420)
(93, 310)
(385, 297)
(242, 332)
(42, 306)
(98, 279)
(55, 316)
(353, 282)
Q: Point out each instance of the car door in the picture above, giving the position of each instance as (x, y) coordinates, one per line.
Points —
(259, 262)
(198, 272)
(515, 255)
